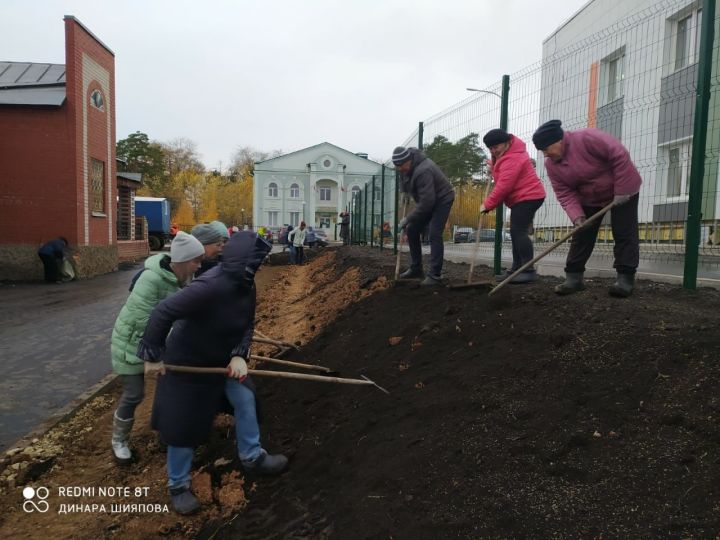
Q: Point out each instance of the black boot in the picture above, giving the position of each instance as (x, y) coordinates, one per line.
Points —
(412, 273)
(572, 284)
(623, 286)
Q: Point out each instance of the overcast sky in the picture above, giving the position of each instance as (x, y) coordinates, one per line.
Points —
(286, 74)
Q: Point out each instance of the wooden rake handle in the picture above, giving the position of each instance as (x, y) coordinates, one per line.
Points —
(552, 248)
(277, 343)
(270, 360)
(263, 373)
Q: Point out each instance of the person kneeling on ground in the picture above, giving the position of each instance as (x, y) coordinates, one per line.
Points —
(434, 195)
(519, 187)
(212, 322)
(162, 276)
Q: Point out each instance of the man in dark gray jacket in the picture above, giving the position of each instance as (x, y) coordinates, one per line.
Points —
(433, 194)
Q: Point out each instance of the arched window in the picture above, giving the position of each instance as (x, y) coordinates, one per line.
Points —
(97, 101)
(355, 190)
(272, 190)
(294, 191)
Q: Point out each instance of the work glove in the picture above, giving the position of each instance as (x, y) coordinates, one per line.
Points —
(483, 210)
(403, 223)
(579, 221)
(152, 368)
(237, 368)
(621, 199)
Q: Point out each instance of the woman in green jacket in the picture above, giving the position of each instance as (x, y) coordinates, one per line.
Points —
(163, 275)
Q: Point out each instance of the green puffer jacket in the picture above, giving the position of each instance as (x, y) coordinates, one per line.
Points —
(154, 284)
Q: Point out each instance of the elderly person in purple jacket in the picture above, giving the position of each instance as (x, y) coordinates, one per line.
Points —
(212, 322)
(588, 169)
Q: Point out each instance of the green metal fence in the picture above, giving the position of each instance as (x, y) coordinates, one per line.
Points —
(647, 73)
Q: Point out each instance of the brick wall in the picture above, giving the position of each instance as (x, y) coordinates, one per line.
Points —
(45, 166)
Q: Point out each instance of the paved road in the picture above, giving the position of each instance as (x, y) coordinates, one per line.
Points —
(54, 345)
(659, 266)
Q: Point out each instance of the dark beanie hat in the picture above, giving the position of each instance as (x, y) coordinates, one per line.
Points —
(550, 132)
(496, 136)
(400, 155)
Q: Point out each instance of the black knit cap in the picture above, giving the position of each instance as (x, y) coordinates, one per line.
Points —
(550, 132)
(496, 136)
(400, 155)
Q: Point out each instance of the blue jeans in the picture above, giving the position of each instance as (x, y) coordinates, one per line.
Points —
(247, 430)
(179, 463)
(291, 249)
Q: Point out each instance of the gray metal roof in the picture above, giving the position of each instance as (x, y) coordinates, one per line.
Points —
(28, 83)
(134, 176)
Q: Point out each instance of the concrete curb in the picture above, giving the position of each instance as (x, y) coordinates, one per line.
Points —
(66, 412)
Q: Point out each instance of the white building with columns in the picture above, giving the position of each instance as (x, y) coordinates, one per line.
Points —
(313, 185)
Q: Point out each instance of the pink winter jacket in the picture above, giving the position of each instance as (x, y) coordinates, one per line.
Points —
(515, 178)
(595, 166)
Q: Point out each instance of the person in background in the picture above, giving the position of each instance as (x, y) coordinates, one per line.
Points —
(163, 275)
(588, 169)
(434, 195)
(52, 255)
(297, 239)
(213, 242)
(173, 230)
(212, 322)
(310, 238)
(345, 227)
(289, 244)
(518, 186)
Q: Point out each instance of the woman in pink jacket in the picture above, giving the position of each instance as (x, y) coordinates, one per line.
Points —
(517, 185)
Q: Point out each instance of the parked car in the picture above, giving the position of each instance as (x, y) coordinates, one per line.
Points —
(313, 239)
(485, 235)
(321, 234)
(275, 231)
(462, 234)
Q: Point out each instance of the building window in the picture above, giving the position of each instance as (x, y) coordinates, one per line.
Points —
(272, 219)
(327, 163)
(97, 186)
(686, 42)
(294, 219)
(325, 194)
(97, 101)
(378, 194)
(294, 191)
(612, 74)
(355, 190)
(272, 190)
(678, 172)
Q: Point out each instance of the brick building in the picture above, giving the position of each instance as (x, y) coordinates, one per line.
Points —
(57, 158)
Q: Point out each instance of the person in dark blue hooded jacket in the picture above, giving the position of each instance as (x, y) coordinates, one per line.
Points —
(212, 322)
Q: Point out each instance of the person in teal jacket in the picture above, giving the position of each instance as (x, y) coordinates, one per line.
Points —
(162, 276)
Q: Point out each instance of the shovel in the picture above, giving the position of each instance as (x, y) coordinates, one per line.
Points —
(397, 258)
(552, 248)
(269, 341)
(279, 374)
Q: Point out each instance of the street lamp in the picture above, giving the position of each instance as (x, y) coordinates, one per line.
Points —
(483, 92)
(243, 216)
(303, 211)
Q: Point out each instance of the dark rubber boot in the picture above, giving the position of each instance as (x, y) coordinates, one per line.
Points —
(412, 273)
(573, 283)
(529, 276)
(183, 501)
(266, 464)
(431, 281)
(623, 286)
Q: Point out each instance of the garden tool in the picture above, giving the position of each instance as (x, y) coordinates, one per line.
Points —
(549, 250)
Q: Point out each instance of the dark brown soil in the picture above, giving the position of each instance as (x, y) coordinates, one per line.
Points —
(538, 417)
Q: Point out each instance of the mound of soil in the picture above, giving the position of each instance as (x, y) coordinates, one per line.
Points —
(528, 416)
(539, 416)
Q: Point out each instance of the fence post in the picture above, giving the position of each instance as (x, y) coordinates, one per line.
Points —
(365, 214)
(372, 213)
(382, 206)
(497, 267)
(421, 129)
(395, 217)
(697, 165)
